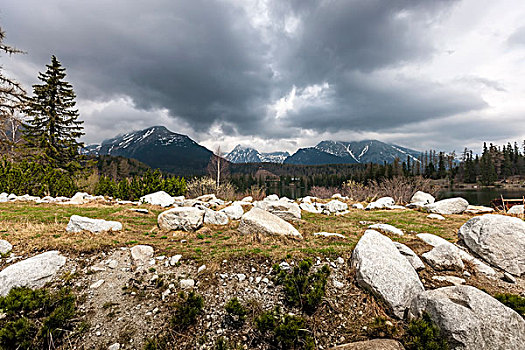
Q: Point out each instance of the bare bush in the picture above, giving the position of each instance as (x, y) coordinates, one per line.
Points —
(256, 192)
(323, 192)
(400, 188)
(199, 186)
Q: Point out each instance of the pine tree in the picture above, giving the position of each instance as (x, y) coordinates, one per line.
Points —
(53, 131)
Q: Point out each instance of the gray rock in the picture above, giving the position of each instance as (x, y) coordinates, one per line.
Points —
(80, 198)
(409, 254)
(184, 218)
(374, 344)
(115, 346)
(497, 239)
(444, 257)
(282, 208)
(507, 277)
(435, 217)
(335, 206)
(516, 210)
(79, 223)
(478, 209)
(248, 199)
(160, 198)
(141, 254)
(471, 319)
(358, 206)
(422, 197)
(33, 273)
(234, 212)
(309, 207)
(272, 197)
(212, 217)
(329, 234)
(434, 241)
(206, 198)
(262, 223)
(381, 203)
(385, 228)
(383, 270)
(448, 206)
(175, 259)
(187, 284)
(5, 246)
(457, 281)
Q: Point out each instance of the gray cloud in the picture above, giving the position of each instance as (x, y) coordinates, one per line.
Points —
(207, 64)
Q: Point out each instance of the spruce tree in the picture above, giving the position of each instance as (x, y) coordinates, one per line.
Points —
(52, 132)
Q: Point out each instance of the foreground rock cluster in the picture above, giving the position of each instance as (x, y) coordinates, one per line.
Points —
(492, 245)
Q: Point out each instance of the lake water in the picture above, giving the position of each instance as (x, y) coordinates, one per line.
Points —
(482, 196)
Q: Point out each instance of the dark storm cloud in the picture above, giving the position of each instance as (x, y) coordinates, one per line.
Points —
(204, 62)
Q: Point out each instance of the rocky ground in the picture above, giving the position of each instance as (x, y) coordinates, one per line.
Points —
(128, 280)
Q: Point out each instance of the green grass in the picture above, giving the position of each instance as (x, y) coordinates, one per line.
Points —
(42, 227)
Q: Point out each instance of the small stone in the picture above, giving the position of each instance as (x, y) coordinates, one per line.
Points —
(340, 261)
(98, 334)
(201, 268)
(241, 277)
(284, 266)
(175, 259)
(338, 284)
(265, 280)
(258, 279)
(115, 346)
(507, 277)
(186, 284)
(97, 284)
(112, 264)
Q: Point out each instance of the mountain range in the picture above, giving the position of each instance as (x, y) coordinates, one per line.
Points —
(163, 149)
(242, 154)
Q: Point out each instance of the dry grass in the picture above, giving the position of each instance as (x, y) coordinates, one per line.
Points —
(31, 228)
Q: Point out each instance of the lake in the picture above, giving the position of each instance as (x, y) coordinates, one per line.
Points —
(482, 196)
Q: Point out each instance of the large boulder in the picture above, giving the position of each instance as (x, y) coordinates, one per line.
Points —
(478, 209)
(234, 211)
(516, 210)
(310, 207)
(262, 223)
(409, 254)
(422, 197)
(160, 198)
(80, 198)
(497, 239)
(184, 218)
(435, 241)
(282, 208)
(386, 228)
(212, 217)
(471, 319)
(381, 203)
(383, 270)
(374, 344)
(80, 223)
(32, 273)
(444, 257)
(335, 206)
(141, 254)
(448, 206)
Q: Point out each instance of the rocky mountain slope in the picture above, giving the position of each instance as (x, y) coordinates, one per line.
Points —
(242, 154)
(339, 152)
(159, 148)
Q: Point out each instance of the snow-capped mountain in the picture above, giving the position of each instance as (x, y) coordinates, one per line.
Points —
(339, 152)
(159, 148)
(241, 154)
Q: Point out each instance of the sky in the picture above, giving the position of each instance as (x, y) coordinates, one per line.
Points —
(280, 75)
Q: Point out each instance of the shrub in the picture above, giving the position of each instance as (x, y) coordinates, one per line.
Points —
(285, 331)
(200, 186)
(236, 311)
(400, 188)
(35, 318)
(323, 192)
(303, 288)
(187, 310)
(381, 328)
(423, 334)
(515, 302)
